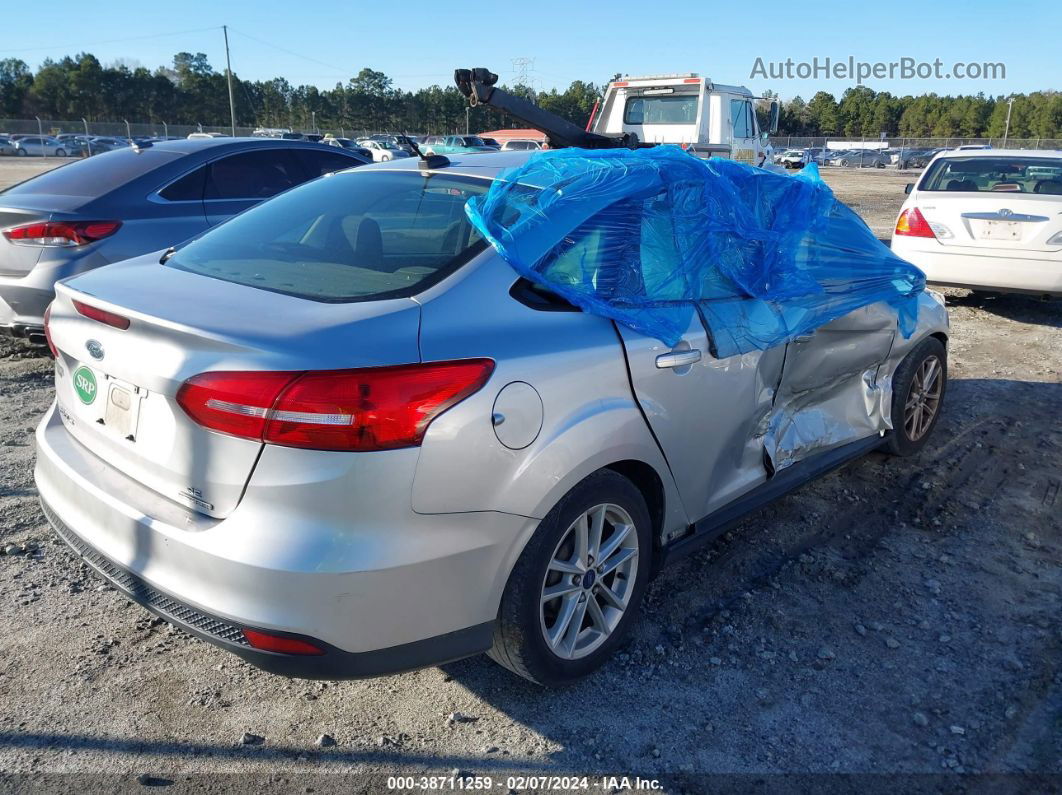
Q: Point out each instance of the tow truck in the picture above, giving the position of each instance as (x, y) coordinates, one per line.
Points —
(705, 118)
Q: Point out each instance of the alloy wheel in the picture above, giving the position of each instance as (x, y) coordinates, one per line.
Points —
(923, 400)
(589, 581)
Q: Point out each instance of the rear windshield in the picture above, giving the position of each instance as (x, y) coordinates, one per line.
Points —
(345, 237)
(995, 175)
(661, 110)
(97, 175)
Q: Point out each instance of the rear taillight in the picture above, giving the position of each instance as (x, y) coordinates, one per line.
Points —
(378, 408)
(61, 233)
(102, 315)
(912, 223)
(48, 332)
(279, 643)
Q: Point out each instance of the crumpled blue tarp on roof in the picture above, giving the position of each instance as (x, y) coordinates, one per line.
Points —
(649, 237)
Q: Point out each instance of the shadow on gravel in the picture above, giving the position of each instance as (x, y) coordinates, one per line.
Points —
(1021, 308)
(832, 531)
(186, 750)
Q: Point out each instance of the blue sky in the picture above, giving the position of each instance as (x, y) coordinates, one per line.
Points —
(416, 44)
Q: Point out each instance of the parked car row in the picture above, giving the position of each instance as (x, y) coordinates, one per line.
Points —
(67, 144)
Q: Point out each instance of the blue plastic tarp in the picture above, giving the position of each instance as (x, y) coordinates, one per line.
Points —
(649, 237)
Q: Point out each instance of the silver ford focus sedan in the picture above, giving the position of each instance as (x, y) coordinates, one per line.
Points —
(341, 437)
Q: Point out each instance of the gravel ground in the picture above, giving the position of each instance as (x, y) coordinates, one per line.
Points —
(896, 618)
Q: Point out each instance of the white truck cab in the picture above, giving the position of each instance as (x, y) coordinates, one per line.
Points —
(709, 119)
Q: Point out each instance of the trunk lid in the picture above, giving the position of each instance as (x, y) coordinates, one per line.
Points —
(24, 208)
(1016, 223)
(116, 389)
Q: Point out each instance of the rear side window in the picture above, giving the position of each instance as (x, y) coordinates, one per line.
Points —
(353, 236)
(317, 164)
(252, 175)
(187, 188)
(97, 175)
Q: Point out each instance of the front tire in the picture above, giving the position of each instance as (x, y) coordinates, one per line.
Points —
(60, 153)
(918, 388)
(575, 590)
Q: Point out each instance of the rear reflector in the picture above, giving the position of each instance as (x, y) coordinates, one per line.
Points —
(377, 408)
(48, 332)
(912, 223)
(102, 315)
(280, 644)
(61, 233)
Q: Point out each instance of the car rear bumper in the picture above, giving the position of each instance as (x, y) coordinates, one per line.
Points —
(373, 601)
(989, 270)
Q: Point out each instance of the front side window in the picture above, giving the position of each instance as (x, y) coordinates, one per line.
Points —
(668, 109)
(352, 236)
(741, 116)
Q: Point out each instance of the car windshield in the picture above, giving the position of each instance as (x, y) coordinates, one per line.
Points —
(995, 175)
(345, 237)
(472, 140)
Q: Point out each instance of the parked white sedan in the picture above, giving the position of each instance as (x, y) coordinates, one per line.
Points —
(986, 220)
(382, 151)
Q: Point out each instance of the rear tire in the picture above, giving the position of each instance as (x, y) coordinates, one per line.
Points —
(60, 153)
(918, 388)
(21, 152)
(563, 613)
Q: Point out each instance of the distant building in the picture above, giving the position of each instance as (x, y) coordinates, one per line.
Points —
(501, 136)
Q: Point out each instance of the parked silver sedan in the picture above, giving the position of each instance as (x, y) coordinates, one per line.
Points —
(40, 146)
(866, 158)
(339, 436)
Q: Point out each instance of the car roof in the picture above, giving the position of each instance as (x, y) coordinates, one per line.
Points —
(1000, 153)
(474, 164)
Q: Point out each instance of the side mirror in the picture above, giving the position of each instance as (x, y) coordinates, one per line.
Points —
(908, 187)
(775, 110)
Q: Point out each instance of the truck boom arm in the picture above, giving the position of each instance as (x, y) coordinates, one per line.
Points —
(478, 85)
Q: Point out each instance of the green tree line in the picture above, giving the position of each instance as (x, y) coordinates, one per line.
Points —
(191, 91)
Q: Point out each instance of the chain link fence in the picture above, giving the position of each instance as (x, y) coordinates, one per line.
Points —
(855, 142)
(116, 129)
(124, 129)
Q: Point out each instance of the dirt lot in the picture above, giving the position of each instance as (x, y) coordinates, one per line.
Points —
(895, 619)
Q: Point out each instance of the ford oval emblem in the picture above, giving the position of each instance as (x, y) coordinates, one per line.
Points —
(1005, 213)
(95, 349)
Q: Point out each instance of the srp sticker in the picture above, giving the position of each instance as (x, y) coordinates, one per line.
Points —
(85, 385)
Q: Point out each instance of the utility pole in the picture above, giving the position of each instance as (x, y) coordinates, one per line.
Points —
(228, 74)
(1006, 130)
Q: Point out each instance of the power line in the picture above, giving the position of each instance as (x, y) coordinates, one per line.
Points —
(290, 52)
(82, 45)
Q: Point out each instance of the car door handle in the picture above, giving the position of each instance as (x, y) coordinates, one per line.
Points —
(678, 359)
(804, 337)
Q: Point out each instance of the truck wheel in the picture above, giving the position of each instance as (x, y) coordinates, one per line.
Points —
(918, 388)
(574, 592)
